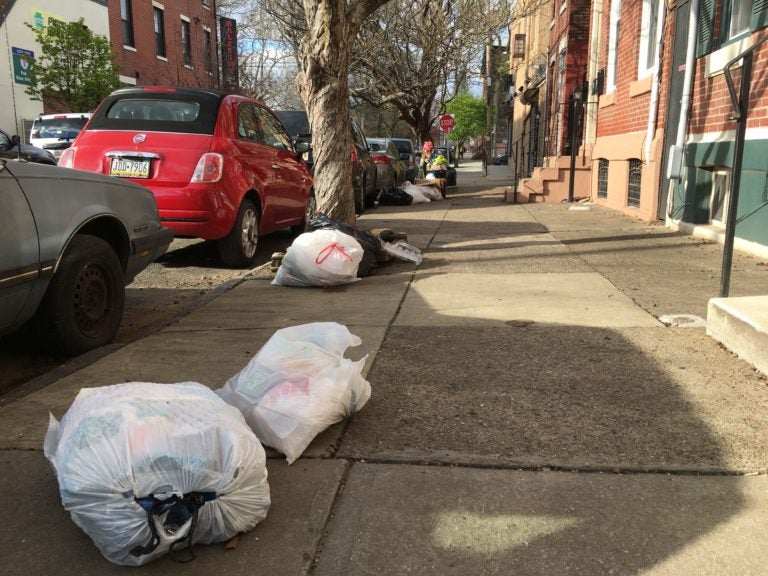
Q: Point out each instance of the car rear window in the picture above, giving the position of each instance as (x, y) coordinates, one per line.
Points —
(403, 147)
(158, 112)
(57, 127)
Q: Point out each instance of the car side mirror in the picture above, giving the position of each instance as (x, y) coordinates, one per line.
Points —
(303, 147)
(15, 140)
(405, 156)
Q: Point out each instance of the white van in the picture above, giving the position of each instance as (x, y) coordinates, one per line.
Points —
(55, 132)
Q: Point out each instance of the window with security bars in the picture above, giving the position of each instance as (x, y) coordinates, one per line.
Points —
(602, 178)
(633, 189)
(518, 47)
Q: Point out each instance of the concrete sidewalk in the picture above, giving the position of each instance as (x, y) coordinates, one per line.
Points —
(530, 412)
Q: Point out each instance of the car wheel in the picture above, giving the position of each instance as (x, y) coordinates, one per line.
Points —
(451, 179)
(238, 248)
(309, 211)
(83, 305)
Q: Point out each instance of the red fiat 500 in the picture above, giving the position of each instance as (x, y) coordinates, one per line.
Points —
(222, 167)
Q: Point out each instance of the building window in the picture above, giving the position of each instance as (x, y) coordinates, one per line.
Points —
(207, 50)
(635, 180)
(518, 47)
(736, 17)
(613, 45)
(159, 15)
(126, 22)
(186, 42)
(602, 178)
(648, 40)
(718, 204)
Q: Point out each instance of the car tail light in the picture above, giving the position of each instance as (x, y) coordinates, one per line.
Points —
(354, 155)
(381, 159)
(67, 158)
(209, 168)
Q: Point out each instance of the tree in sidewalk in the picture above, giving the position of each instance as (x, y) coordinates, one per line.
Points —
(323, 33)
(469, 112)
(76, 67)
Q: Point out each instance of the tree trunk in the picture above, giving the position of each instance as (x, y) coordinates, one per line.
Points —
(324, 88)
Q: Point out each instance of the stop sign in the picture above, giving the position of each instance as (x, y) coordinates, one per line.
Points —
(447, 122)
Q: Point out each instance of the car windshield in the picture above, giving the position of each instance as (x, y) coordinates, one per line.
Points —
(377, 146)
(295, 121)
(58, 127)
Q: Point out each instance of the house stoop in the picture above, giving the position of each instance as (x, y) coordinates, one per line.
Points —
(550, 183)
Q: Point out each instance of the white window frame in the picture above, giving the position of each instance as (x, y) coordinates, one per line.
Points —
(648, 45)
(154, 32)
(613, 44)
(189, 24)
(746, 5)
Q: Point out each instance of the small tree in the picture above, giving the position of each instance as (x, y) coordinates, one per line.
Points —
(469, 112)
(76, 67)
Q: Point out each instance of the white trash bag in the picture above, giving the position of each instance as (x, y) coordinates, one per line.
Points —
(324, 257)
(145, 469)
(417, 191)
(298, 384)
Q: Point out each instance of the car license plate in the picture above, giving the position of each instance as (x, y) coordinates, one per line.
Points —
(126, 168)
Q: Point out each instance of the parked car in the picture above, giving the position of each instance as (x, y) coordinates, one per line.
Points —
(363, 169)
(71, 242)
(55, 132)
(390, 169)
(408, 155)
(501, 160)
(221, 166)
(10, 146)
(297, 125)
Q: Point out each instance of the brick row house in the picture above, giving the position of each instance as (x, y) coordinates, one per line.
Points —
(165, 43)
(657, 136)
(155, 42)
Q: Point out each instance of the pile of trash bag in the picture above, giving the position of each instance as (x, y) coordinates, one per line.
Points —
(395, 197)
(370, 244)
(298, 384)
(326, 257)
(422, 193)
(146, 469)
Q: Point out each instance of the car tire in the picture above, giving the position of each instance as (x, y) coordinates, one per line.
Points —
(309, 211)
(83, 305)
(238, 248)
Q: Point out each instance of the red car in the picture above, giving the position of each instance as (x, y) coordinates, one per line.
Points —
(221, 166)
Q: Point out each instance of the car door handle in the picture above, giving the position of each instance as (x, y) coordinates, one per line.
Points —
(276, 166)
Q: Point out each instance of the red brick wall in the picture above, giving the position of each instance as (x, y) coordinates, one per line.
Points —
(573, 22)
(630, 114)
(711, 104)
(143, 63)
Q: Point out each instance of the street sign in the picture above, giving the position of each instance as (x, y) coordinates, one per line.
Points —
(447, 122)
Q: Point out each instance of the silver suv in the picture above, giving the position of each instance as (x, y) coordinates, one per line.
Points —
(408, 154)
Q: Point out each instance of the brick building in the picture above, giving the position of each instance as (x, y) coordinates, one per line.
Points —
(627, 121)
(165, 42)
(699, 198)
(567, 66)
(529, 42)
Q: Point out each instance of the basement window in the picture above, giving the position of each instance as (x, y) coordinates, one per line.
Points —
(602, 178)
(635, 180)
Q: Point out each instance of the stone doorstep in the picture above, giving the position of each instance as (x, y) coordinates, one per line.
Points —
(741, 325)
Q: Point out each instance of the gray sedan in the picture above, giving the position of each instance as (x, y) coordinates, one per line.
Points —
(71, 241)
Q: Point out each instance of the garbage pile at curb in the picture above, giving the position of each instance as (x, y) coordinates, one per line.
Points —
(336, 253)
(418, 192)
(149, 469)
